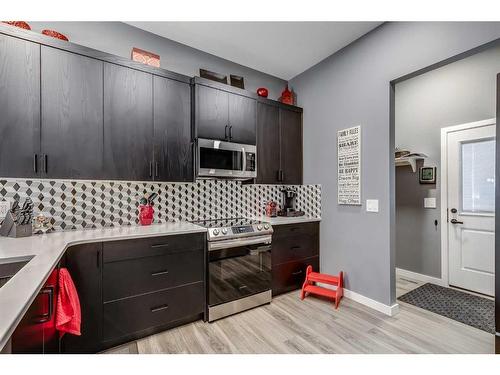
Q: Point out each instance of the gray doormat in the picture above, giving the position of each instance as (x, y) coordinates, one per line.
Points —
(463, 307)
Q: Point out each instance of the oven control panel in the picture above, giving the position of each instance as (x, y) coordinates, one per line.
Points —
(242, 229)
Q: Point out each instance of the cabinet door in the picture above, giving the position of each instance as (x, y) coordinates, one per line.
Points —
(72, 115)
(268, 144)
(128, 124)
(172, 130)
(291, 146)
(212, 119)
(84, 265)
(36, 333)
(242, 119)
(19, 107)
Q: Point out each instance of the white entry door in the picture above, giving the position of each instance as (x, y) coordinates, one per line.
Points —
(471, 208)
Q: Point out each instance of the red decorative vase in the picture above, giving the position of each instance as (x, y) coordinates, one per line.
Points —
(262, 91)
(286, 96)
(21, 24)
(146, 213)
(55, 34)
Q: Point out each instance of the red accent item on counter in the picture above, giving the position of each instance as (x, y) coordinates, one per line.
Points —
(263, 92)
(315, 277)
(271, 209)
(146, 213)
(68, 312)
(21, 24)
(55, 34)
(286, 96)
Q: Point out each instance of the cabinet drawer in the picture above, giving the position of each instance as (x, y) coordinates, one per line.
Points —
(291, 248)
(296, 229)
(290, 276)
(136, 276)
(132, 315)
(144, 247)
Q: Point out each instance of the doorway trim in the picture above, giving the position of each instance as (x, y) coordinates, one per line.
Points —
(444, 189)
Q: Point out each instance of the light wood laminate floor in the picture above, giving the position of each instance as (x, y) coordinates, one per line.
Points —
(289, 325)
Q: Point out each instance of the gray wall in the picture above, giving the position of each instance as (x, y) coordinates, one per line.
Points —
(118, 39)
(351, 88)
(461, 92)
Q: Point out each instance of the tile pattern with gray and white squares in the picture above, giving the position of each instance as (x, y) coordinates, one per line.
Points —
(95, 204)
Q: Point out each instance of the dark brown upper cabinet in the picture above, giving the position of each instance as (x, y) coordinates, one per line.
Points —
(128, 124)
(242, 119)
(279, 144)
(72, 115)
(212, 113)
(268, 144)
(224, 115)
(172, 131)
(19, 107)
(291, 146)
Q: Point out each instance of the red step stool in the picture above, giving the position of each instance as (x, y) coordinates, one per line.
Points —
(315, 277)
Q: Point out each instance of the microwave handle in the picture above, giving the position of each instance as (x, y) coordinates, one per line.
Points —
(244, 156)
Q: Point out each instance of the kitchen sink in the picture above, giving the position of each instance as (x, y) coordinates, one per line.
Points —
(10, 266)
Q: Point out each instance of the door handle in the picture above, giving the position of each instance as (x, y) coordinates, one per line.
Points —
(225, 132)
(49, 291)
(157, 169)
(45, 160)
(455, 221)
(230, 132)
(297, 273)
(244, 157)
(35, 163)
(150, 169)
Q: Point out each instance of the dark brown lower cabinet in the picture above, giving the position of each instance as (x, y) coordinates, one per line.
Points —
(84, 263)
(295, 246)
(36, 333)
(131, 317)
(129, 289)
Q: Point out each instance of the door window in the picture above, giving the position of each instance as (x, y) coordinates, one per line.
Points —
(478, 176)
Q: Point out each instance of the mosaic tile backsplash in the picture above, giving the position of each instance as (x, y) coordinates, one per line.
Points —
(95, 204)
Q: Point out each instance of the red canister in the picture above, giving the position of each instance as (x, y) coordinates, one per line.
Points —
(271, 209)
(146, 213)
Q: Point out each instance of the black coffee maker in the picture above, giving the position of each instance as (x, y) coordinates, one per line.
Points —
(289, 198)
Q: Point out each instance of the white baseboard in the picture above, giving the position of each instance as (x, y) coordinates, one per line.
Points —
(371, 303)
(419, 277)
(376, 305)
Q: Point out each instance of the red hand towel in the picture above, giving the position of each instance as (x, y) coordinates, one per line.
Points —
(68, 313)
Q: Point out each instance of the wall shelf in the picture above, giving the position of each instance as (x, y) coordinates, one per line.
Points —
(409, 160)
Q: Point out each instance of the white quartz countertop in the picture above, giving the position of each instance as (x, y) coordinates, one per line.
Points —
(19, 292)
(282, 220)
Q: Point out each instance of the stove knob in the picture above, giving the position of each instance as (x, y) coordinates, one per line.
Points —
(224, 230)
(259, 227)
(215, 232)
(266, 226)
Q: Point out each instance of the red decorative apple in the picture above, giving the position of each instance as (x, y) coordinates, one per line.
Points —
(262, 91)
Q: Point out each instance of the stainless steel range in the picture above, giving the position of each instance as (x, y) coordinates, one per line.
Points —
(239, 265)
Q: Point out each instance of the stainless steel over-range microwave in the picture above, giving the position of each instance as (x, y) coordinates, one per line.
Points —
(219, 159)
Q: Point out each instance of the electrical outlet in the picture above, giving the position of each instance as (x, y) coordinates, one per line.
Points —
(372, 205)
(4, 208)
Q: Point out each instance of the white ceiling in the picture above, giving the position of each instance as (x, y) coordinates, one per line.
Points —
(282, 49)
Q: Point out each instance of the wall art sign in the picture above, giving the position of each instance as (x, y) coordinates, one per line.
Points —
(349, 166)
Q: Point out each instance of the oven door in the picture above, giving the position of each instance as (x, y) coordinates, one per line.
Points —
(226, 159)
(238, 268)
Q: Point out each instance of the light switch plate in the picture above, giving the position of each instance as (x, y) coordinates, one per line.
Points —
(372, 205)
(4, 208)
(429, 202)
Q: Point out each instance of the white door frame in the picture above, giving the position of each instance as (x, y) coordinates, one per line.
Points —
(444, 189)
